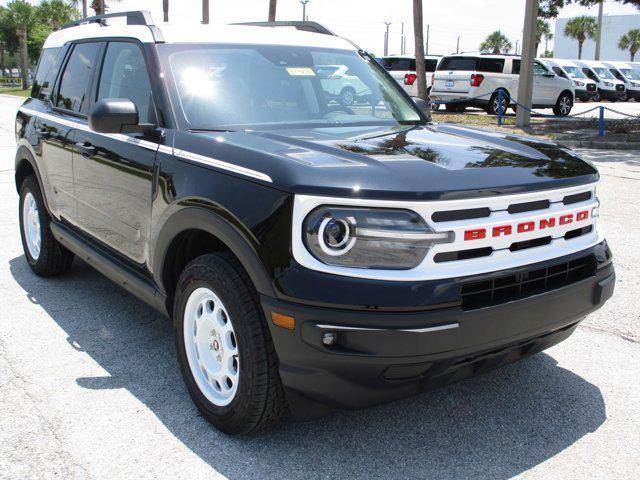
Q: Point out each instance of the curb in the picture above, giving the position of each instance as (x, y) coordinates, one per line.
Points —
(598, 144)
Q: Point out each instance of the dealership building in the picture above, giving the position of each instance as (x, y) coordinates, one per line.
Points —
(613, 27)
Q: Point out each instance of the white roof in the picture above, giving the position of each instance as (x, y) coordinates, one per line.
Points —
(187, 33)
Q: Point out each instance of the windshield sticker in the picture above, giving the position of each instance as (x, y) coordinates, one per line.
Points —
(300, 72)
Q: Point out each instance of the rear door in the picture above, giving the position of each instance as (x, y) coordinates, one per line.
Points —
(114, 173)
(59, 126)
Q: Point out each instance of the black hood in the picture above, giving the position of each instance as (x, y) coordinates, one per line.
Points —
(439, 161)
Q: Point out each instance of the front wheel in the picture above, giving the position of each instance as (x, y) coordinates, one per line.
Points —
(45, 256)
(564, 105)
(224, 346)
(348, 96)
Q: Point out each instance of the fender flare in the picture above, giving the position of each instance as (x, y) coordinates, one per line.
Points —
(24, 154)
(189, 218)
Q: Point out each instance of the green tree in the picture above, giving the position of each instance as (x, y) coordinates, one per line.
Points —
(580, 28)
(551, 8)
(56, 13)
(630, 41)
(496, 42)
(543, 30)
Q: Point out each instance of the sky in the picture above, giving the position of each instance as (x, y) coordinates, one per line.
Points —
(362, 21)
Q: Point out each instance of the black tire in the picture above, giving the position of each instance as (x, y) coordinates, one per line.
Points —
(455, 107)
(563, 105)
(259, 400)
(492, 106)
(348, 96)
(53, 258)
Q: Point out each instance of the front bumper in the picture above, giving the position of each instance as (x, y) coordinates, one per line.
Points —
(612, 94)
(584, 94)
(381, 356)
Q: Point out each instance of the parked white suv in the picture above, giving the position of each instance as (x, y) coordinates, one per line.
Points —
(403, 69)
(627, 74)
(609, 87)
(337, 81)
(585, 88)
(476, 80)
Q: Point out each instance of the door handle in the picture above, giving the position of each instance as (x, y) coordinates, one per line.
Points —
(86, 148)
(43, 132)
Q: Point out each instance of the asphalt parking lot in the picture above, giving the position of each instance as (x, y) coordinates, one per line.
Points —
(90, 388)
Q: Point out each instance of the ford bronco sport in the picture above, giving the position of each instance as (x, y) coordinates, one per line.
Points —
(310, 254)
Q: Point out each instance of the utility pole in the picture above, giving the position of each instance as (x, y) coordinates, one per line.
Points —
(426, 49)
(165, 10)
(402, 38)
(599, 32)
(386, 39)
(304, 9)
(458, 46)
(517, 41)
(525, 83)
(84, 8)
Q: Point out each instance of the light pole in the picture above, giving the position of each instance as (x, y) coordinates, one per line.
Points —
(386, 39)
(458, 46)
(426, 50)
(304, 9)
(517, 41)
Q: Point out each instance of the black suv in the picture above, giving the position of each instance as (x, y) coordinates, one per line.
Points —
(310, 254)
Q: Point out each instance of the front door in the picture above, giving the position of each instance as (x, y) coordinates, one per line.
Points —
(114, 173)
(544, 85)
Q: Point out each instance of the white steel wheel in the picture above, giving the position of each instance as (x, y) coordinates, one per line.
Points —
(211, 346)
(31, 225)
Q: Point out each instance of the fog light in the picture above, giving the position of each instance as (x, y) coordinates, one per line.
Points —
(329, 338)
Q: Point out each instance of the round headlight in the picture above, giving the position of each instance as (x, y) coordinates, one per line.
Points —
(334, 236)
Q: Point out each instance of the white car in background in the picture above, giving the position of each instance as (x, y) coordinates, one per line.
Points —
(478, 80)
(627, 74)
(585, 88)
(403, 69)
(609, 87)
(340, 84)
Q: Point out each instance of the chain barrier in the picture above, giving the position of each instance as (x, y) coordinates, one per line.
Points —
(501, 110)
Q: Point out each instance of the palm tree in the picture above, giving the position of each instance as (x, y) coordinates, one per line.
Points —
(496, 42)
(272, 10)
(543, 30)
(419, 39)
(165, 10)
(55, 13)
(580, 28)
(630, 41)
(205, 11)
(21, 15)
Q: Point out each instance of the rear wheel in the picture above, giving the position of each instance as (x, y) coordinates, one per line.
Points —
(498, 103)
(224, 346)
(45, 256)
(564, 105)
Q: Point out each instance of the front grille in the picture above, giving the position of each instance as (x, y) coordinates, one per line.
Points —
(591, 87)
(525, 284)
(620, 88)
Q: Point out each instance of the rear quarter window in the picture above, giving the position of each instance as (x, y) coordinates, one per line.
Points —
(490, 65)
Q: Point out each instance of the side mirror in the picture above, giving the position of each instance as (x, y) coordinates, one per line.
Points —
(422, 106)
(116, 115)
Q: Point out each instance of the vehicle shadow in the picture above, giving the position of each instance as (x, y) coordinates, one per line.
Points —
(493, 426)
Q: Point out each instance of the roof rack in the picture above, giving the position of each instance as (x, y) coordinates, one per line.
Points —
(137, 17)
(313, 27)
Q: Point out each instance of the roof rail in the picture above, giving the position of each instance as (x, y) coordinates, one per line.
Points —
(313, 27)
(136, 17)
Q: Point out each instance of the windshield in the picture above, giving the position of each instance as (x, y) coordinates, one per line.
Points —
(574, 72)
(270, 87)
(630, 73)
(603, 73)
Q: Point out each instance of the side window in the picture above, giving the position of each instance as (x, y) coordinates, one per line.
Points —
(72, 93)
(490, 65)
(590, 74)
(538, 69)
(515, 68)
(48, 67)
(559, 72)
(125, 75)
